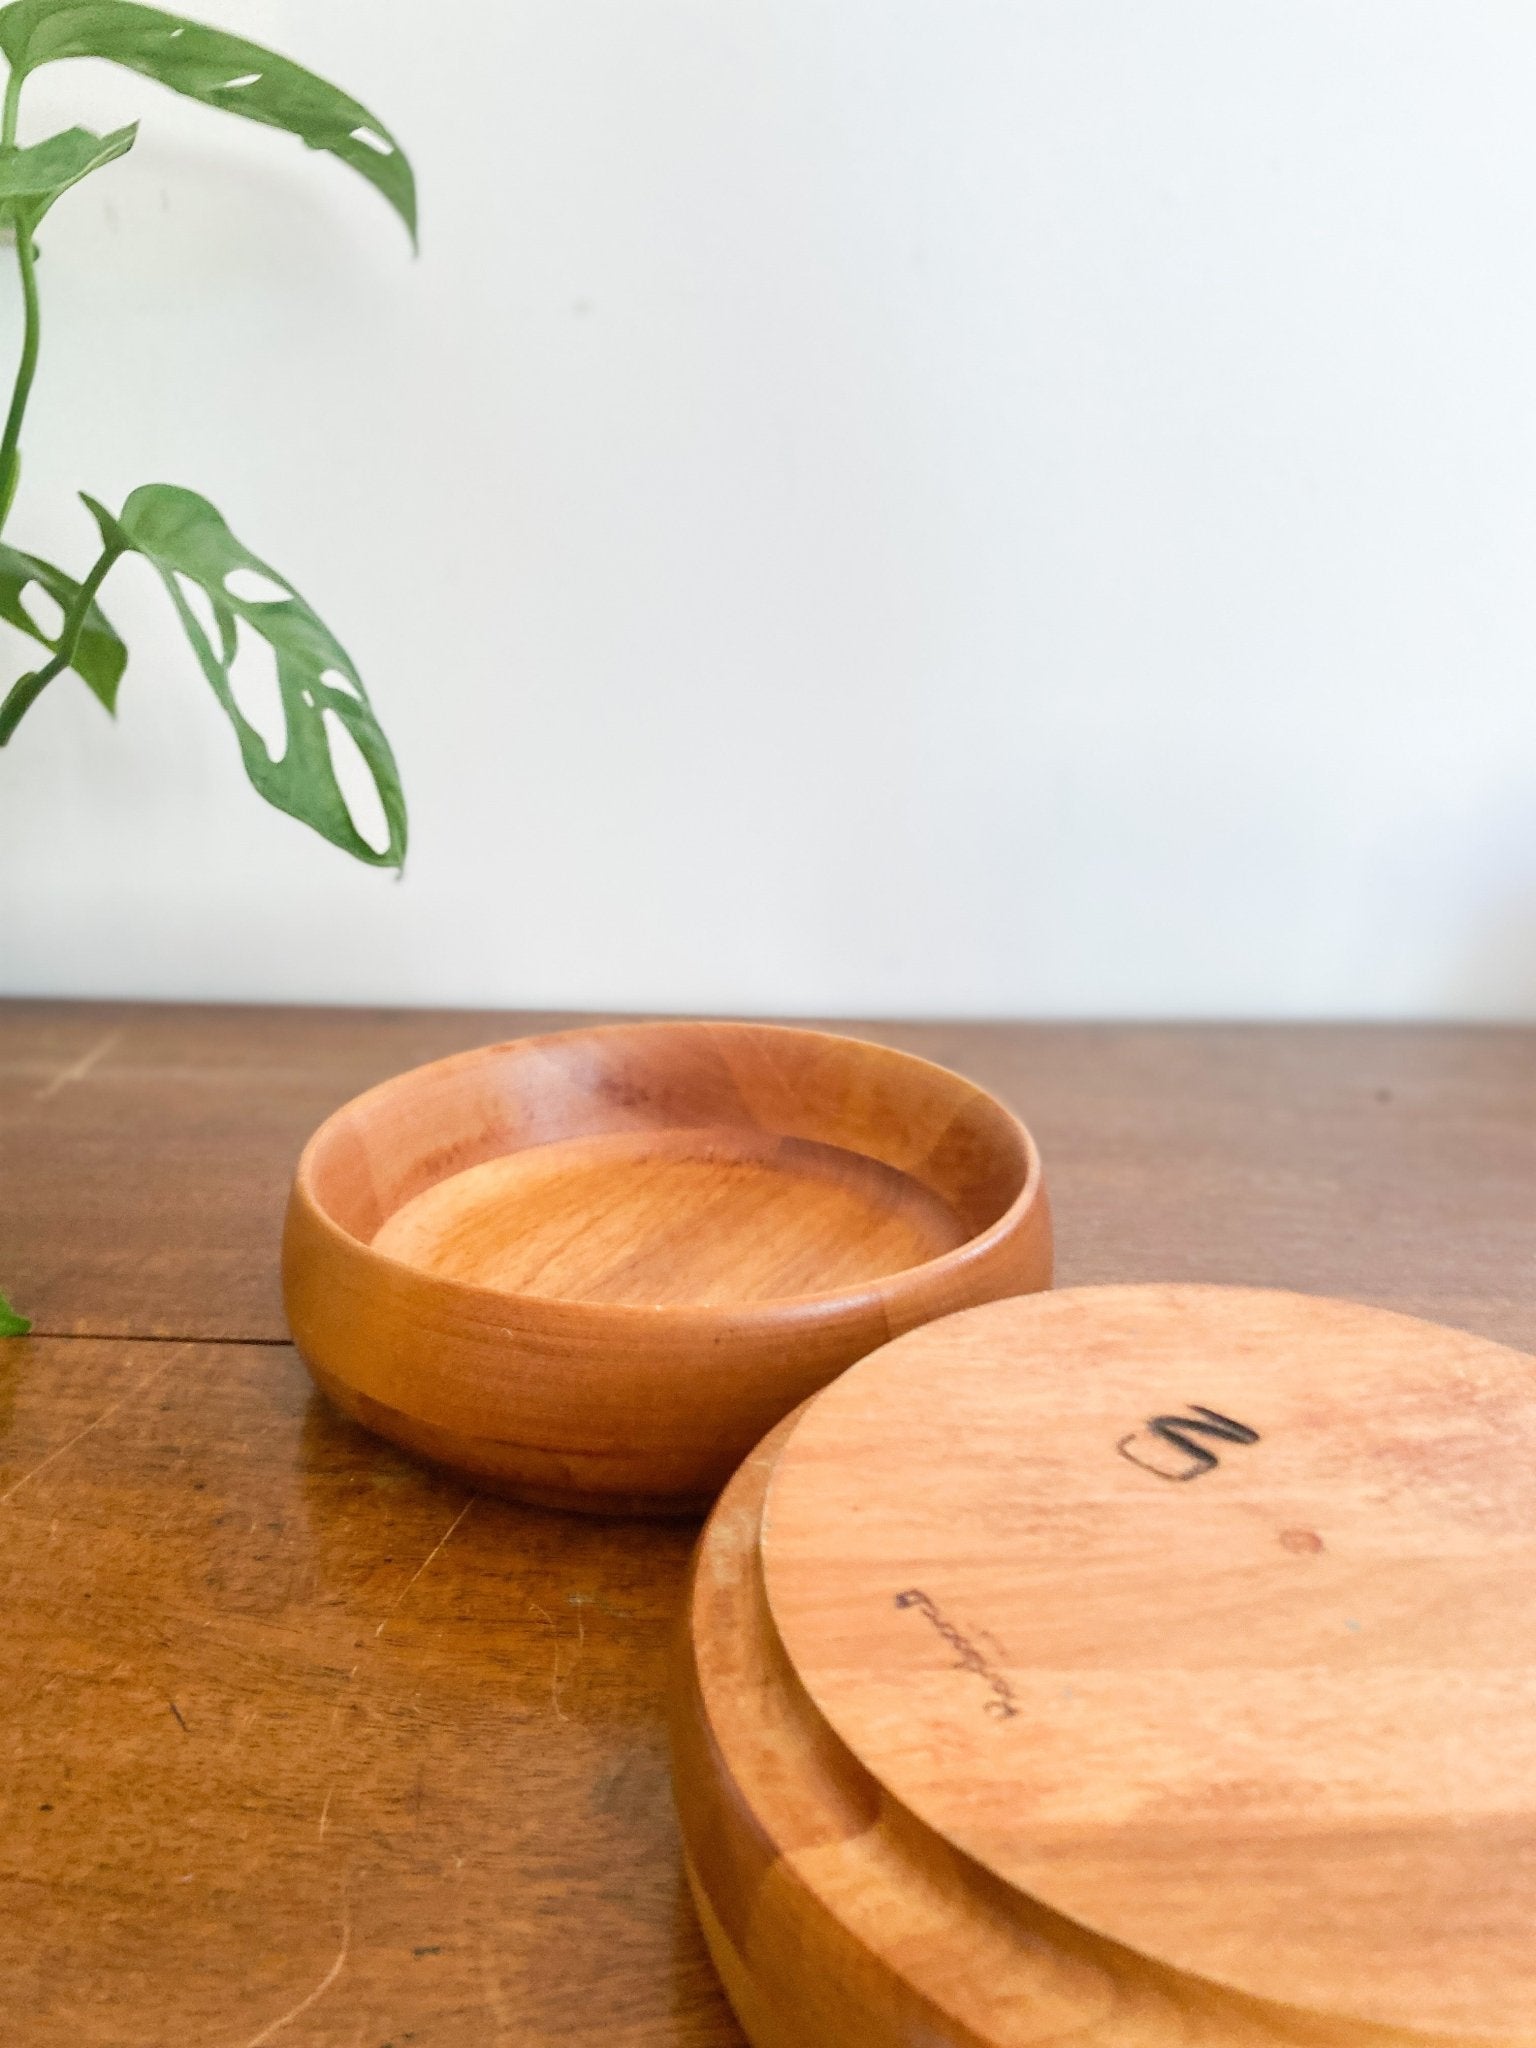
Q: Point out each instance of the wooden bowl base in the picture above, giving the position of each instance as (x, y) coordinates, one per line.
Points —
(836, 1920)
(562, 1482)
(1135, 1667)
(654, 1219)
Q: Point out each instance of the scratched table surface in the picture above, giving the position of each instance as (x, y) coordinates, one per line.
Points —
(303, 1744)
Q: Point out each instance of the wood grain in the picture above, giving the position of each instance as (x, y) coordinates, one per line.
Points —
(570, 1266)
(988, 1733)
(662, 1222)
(303, 1744)
(145, 1157)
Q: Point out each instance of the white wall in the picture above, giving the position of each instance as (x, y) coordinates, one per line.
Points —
(998, 506)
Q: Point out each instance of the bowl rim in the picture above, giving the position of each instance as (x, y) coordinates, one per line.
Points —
(493, 1305)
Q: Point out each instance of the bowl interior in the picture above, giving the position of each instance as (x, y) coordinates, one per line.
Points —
(669, 1164)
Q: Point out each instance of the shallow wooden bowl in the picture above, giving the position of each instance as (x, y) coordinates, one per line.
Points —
(1169, 1683)
(592, 1269)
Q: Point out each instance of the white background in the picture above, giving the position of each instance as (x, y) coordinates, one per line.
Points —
(931, 506)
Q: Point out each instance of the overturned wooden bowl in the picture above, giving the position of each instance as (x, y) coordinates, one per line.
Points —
(591, 1270)
(1167, 1684)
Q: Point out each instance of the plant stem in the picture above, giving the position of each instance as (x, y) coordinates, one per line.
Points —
(25, 693)
(26, 370)
(12, 1324)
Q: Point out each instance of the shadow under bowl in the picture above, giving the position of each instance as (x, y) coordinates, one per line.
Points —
(591, 1270)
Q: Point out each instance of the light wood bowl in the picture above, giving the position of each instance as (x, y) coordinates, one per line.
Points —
(1015, 1719)
(591, 1270)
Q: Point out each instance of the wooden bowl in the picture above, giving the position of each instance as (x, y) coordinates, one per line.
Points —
(590, 1270)
(1171, 1684)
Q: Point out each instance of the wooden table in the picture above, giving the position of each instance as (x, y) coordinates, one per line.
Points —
(305, 1745)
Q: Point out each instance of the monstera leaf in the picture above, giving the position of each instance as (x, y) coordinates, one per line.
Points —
(218, 69)
(187, 540)
(12, 1324)
(31, 179)
(99, 656)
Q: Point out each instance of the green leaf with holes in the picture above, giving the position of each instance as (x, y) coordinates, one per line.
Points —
(221, 70)
(12, 1324)
(100, 656)
(187, 541)
(31, 179)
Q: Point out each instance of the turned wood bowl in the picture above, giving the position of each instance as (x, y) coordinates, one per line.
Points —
(591, 1270)
(1135, 1667)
